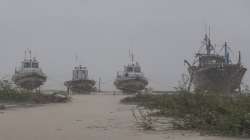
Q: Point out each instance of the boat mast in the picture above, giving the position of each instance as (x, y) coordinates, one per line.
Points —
(76, 60)
(25, 55)
(132, 57)
(207, 42)
(227, 55)
(209, 46)
(131, 54)
(30, 54)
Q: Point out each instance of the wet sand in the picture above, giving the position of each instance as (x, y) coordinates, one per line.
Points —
(87, 117)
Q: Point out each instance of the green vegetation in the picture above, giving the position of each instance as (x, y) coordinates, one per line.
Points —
(205, 112)
(13, 96)
(9, 94)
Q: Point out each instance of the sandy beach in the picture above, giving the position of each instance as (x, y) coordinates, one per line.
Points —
(87, 117)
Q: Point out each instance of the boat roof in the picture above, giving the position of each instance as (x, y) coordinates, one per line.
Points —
(80, 67)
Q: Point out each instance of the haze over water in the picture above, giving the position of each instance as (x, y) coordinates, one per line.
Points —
(161, 33)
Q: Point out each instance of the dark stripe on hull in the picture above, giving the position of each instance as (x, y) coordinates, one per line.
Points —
(81, 86)
(29, 81)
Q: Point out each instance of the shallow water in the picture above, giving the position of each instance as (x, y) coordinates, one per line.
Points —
(87, 117)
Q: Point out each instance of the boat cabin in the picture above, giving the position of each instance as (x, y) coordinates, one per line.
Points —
(135, 68)
(211, 60)
(80, 73)
(30, 63)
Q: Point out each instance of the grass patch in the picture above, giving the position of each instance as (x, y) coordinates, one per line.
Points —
(15, 96)
(10, 94)
(205, 112)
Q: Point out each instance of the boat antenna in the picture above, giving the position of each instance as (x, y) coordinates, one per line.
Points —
(226, 53)
(131, 54)
(25, 54)
(209, 32)
(76, 59)
(207, 42)
(132, 58)
(30, 53)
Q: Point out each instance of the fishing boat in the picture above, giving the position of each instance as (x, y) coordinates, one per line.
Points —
(29, 76)
(80, 82)
(131, 79)
(215, 72)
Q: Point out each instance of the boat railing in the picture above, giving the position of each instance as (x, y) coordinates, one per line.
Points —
(30, 70)
(124, 75)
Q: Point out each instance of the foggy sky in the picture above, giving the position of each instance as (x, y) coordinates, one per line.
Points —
(161, 33)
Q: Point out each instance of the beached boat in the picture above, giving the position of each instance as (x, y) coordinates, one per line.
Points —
(131, 79)
(29, 76)
(80, 82)
(216, 72)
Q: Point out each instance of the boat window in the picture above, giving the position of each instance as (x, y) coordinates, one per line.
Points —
(130, 69)
(204, 61)
(34, 65)
(212, 62)
(27, 65)
(137, 69)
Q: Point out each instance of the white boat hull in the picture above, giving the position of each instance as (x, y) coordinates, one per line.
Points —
(30, 80)
(131, 85)
(80, 86)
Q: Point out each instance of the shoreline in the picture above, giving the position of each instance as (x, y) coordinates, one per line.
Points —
(107, 119)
